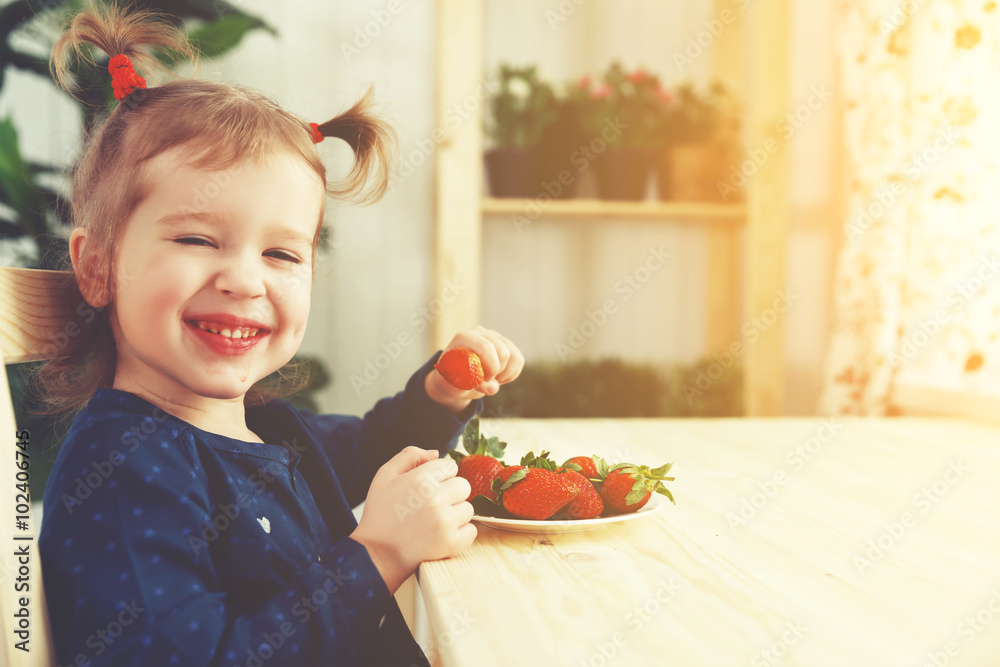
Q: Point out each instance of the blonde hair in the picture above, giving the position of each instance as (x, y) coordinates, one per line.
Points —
(222, 125)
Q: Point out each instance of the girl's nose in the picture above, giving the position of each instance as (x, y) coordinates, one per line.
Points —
(240, 276)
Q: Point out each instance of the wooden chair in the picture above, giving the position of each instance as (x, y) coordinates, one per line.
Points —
(37, 321)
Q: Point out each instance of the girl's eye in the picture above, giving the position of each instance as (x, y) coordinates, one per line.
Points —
(193, 240)
(283, 256)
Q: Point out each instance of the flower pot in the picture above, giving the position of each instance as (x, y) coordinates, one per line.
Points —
(512, 172)
(696, 172)
(623, 173)
(557, 175)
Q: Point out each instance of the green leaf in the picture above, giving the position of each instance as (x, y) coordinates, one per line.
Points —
(215, 38)
(21, 193)
(602, 467)
(662, 470)
(662, 490)
(457, 456)
(573, 466)
(637, 493)
(470, 436)
(514, 479)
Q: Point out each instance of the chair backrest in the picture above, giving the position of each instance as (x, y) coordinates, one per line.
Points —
(38, 320)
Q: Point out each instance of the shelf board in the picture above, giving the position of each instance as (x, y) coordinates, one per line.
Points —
(532, 209)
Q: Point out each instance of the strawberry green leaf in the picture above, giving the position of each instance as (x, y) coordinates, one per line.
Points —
(637, 493)
(514, 479)
(662, 470)
(495, 447)
(470, 436)
(573, 466)
(602, 467)
(666, 492)
(457, 456)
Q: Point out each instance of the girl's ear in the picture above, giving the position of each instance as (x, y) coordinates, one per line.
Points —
(90, 277)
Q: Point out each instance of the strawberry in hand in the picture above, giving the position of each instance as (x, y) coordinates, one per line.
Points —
(628, 487)
(461, 368)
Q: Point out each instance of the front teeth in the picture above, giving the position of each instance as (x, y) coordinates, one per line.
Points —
(240, 332)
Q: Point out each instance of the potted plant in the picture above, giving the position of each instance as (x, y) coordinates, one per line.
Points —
(699, 136)
(620, 116)
(521, 110)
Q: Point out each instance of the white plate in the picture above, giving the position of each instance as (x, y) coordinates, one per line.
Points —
(569, 526)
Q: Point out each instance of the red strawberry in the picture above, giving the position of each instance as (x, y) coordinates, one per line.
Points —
(588, 503)
(482, 463)
(480, 470)
(628, 487)
(535, 493)
(585, 465)
(461, 368)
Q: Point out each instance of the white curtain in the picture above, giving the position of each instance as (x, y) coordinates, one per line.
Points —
(917, 291)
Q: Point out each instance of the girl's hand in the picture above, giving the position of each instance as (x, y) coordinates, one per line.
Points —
(502, 363)
(416, 510)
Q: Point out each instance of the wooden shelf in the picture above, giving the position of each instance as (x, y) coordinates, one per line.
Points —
(590, 208)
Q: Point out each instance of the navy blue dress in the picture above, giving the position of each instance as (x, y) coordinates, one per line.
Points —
(163, 544)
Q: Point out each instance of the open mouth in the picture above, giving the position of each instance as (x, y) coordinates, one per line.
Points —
(226, 331)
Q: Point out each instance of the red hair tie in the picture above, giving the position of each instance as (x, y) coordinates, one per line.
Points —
(316, 135)
(124, 80)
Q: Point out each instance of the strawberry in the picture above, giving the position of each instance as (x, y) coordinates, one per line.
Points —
(585, 465)
(628, 487)
(481, 465)
(461, 368)
(588, 503)
(535, 493)
(480, 470)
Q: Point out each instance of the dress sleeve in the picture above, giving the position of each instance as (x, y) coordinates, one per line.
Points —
(129, 580)
(358, 446)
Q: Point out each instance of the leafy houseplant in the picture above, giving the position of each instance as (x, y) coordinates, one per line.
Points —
(520, 112)
(699, 133)
(624, 110)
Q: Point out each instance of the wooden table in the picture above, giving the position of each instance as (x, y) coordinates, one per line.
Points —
(850, 542)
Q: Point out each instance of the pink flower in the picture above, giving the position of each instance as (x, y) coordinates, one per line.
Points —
(601, 92)
(637, 76)
(584, 82)
(664, 95)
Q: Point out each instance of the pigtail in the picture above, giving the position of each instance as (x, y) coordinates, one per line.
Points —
(116, 31)
(371, 139)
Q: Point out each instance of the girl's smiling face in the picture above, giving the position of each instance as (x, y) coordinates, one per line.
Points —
(213, 276)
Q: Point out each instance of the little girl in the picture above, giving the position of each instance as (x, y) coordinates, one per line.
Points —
(192, 518)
